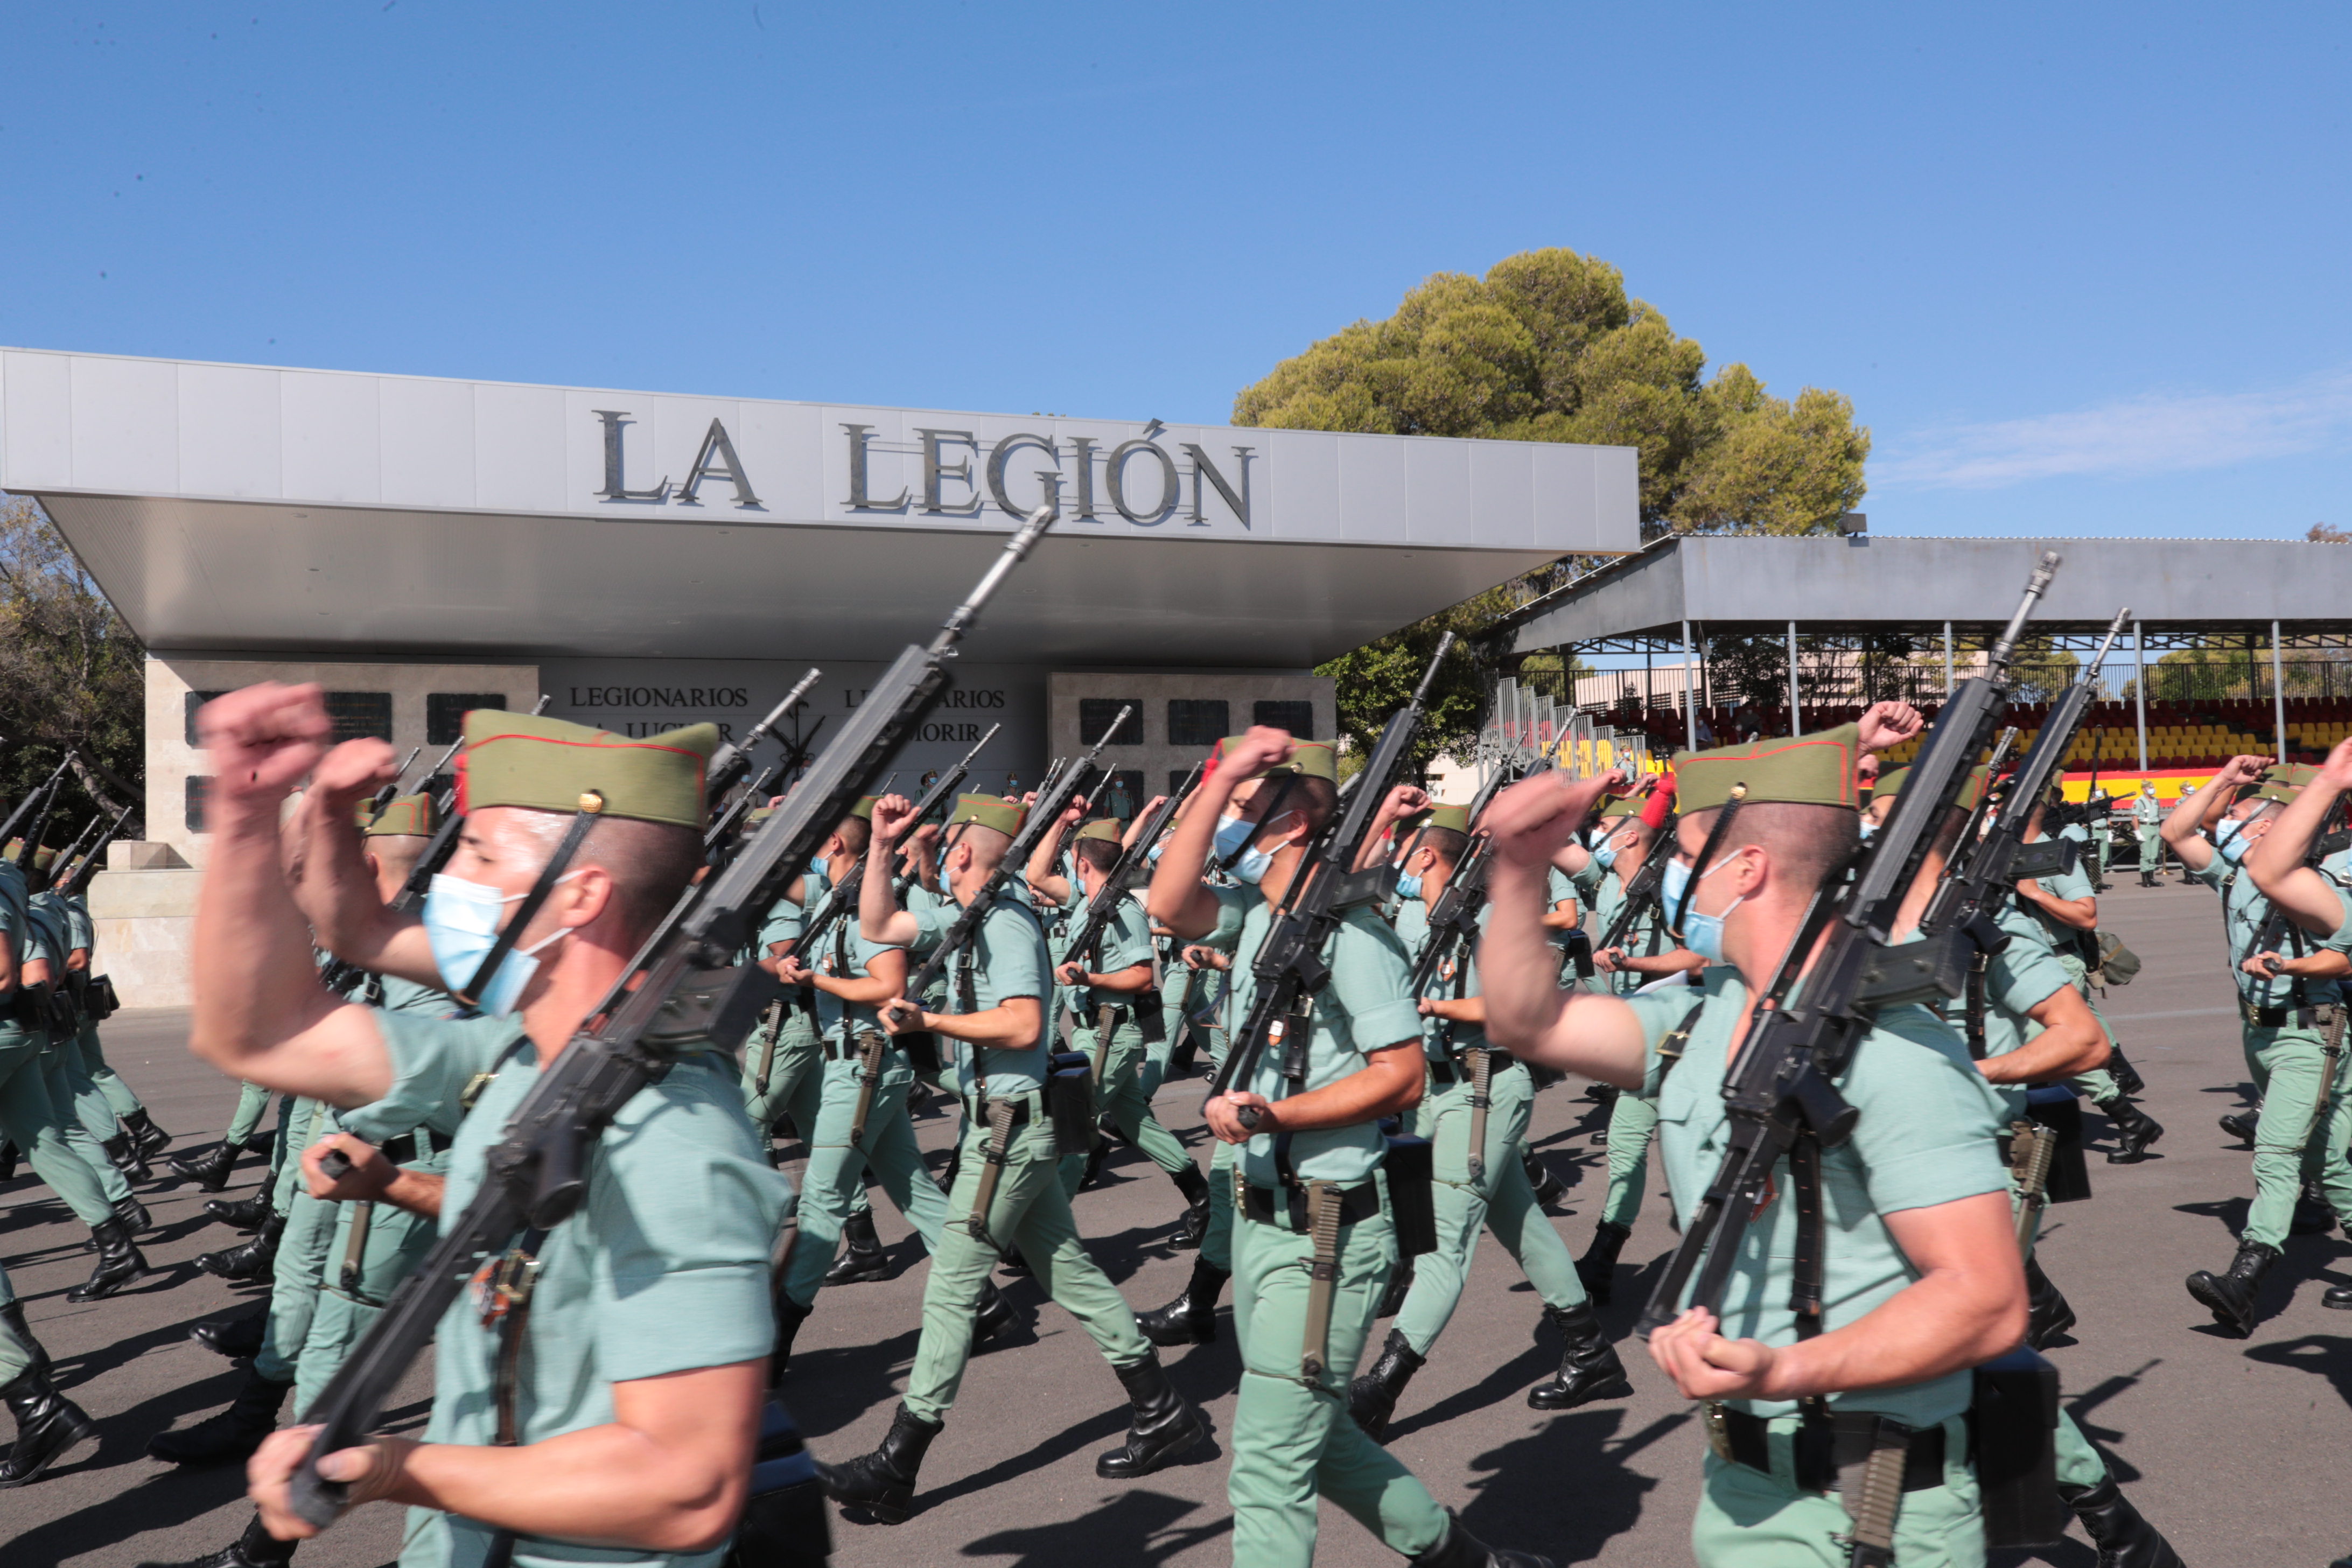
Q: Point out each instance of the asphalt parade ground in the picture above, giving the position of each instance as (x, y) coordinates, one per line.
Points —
(2232, 1447)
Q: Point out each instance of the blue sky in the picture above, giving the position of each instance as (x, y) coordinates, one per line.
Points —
(2082, 270)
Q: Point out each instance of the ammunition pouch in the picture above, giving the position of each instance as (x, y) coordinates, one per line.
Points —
(783, 1523)
(30, 1006)
(102, 1001)
(922, 1049)
(1070, 1102)
(2012, 1436)
(1409, 1169)
(2056, 1108)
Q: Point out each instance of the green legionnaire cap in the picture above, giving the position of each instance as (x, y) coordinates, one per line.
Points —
(990, 811)
(1623, 805)
(1890, 784)
(1448, 818)
(864, 807)
(548, 765)
(2284, 782)
(1105, 827)
(1809, 769)
(44, 857)
(408, 815)
(1308, 759)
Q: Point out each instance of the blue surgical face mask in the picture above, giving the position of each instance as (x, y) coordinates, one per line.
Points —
(2227, 829)
(461, 923)
(1702, 933)
(1233, 832)
(1868, 828)
(1254, 861)
(1408, 885)
(817, 866)
(1671, 883)
(1604, 854)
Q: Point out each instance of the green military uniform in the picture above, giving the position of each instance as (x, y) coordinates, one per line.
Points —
(833, 1183)
(29, 1118)
(2147, 812)
(83, 934)
(1925, 1135)
(89, 1120)
(1292, 1438)
(1633, 1117)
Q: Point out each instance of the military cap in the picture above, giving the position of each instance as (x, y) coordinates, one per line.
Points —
(1890, 784)
(990, 811)
(2282, 781)
(864, 807)
(758, 814)
(1624, 805)
(44, 857)
(548, 765)
(1806, 769)
(410, 816)
(1105, 827)
(1448, 818)
(1308, 759)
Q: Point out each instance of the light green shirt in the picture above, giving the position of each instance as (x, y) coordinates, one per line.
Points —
(1005, 958)
(1126, 942)
(662, 1268)
(1926, 1136)
(1463, 967)
(1365, 1008)
(2244, 914)
(847, 953)
(2018, 979)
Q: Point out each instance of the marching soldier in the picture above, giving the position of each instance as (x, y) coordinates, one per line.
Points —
(1921, 1277)
(49, 1425)
(1008, 1185)
(2148, 814)
(1475, 1112)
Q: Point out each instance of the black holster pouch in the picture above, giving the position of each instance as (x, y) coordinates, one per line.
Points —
(922, 1048)
(2013, 1429)
(103, 1001)
(783, 1523)
(1409, 1170)
(2056, 1108)
(1070, 1100)
(31, 1006)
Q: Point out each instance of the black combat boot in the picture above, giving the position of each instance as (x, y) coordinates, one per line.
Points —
(13, 1314)
(251, 1261)
(1371, 1398)
(789, 1316)
(226, 1437)
(1460, 1548)
(2135, 1131)
(118, 1263)
(2047, 1315)
(150, 1139)
(1598, 1268)
(133, 1214)
(2125, 1540)
(210, 1168)
(47, 1424)
(1195, 1188)
(257, 1548)
(2338, 1298)
(1400, 1287)
(861, 1260)
(2312, 1214)
(2241, 1125)
(237, 1338)
(127, 1157)
(2126, 1076)
(1588, 1367)
(1165, 1423)
(2230, 1297)
(1192, 1317)
(883, 1482)
(1550, 1189)
(1095, 1158)
(991, 1317)
(240, 1214)
(9, 1155)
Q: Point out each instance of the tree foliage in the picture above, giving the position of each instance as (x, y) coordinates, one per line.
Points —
(70, 676)
(1549, 347)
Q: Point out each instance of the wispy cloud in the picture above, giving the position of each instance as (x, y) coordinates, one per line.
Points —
(2159, 432)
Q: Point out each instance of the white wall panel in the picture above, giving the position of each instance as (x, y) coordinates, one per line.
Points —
(126, 425)
(518, 448)
(229, 432)
(333, 436)
(428, 441)
(36, 420)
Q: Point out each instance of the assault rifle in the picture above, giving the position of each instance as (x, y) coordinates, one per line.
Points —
(1289, 970)
(1782, 1093)
(1989, 867)
(28, 847)
(74, 875)
(1103, 908)
(24, 807)
(1045, 814)
(1454, 918)
(678, 990)
(841, 897)
(1642, 893)
(390, 792)
(734, 760)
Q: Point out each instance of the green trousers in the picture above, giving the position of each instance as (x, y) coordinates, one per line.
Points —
(2098, 1084)
(395, 1243)
(2305, 1124)
(1217, 1241)
(295, 1275)
(2079, 1464)
(1501, 1201)
(1749, 1519)
(1028, 1211)
(833, 1186)
(30, 1121)
(14, 1354)
(1121, 1098)
(1632, 1122)
(1292, 1440)
(785, 1044)
(109, 1082)
(2151, 852)
(252, 1102)
(87, 1120)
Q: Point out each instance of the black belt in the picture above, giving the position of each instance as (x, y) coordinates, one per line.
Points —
(1357, 1204)
(1852, 1436)
(2286, 1017)
(1445, 1069)
(400, 1150)
(979, 1117)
